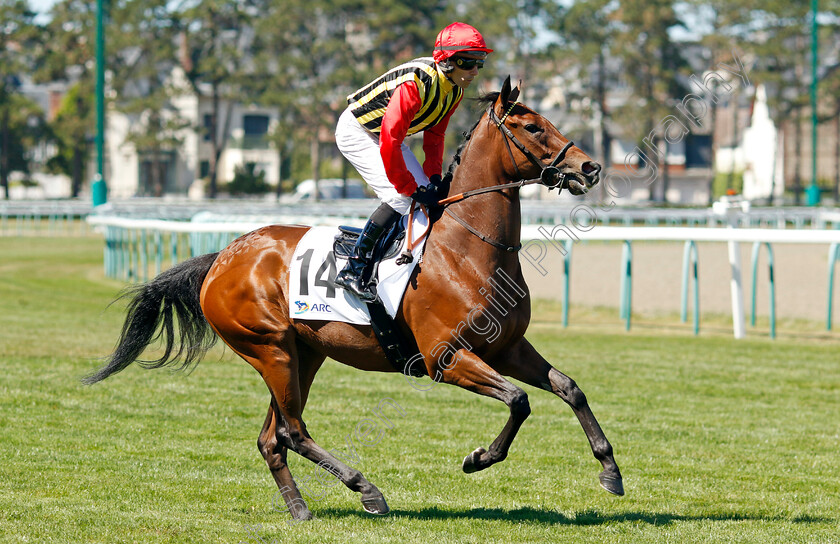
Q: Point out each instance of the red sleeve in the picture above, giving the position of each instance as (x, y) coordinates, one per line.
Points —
(433, 140)
(404, 105)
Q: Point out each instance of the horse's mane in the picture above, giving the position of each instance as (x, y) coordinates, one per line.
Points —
(482, 100)
(488, 98)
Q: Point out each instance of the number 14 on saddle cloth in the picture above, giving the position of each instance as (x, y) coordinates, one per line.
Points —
(314, 296)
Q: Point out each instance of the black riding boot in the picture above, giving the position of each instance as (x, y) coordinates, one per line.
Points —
(351, 277)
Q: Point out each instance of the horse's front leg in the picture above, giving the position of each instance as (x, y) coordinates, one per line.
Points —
(525, 364)
(468, 371)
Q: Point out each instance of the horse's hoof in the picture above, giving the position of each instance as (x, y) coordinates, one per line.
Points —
(613, 484)
(301, 514)
(376, 505)
(471, 461)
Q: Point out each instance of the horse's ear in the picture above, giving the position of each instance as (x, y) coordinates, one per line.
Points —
(514, 93)
(504, 96)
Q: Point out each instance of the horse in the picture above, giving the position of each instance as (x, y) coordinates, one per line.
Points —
(470, 265)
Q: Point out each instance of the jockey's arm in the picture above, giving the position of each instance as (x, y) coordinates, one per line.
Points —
(404, 105)
(433, 142)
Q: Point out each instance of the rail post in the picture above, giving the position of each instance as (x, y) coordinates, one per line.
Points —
(729, 208)
(567, 267)
(626, 309)
(833, 255)
(690, 271)
(755, 251)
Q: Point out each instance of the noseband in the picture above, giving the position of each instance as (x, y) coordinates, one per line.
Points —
(550, 176)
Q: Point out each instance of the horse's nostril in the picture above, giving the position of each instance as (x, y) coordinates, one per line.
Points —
(590, 168)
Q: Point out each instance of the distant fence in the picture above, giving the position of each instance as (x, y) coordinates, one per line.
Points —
(43, 218)
(136, 250)
(538, 241)
(58, 218)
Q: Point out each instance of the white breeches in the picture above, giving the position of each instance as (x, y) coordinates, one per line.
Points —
(361, 148)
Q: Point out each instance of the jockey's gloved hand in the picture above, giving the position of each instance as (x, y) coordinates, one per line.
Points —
(441, 184)
(426, 195)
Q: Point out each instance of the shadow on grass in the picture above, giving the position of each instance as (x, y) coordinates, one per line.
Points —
(550, 517)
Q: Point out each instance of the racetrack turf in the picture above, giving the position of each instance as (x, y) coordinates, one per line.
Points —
(718, 440)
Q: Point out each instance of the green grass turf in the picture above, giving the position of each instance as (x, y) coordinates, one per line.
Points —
(718, 440)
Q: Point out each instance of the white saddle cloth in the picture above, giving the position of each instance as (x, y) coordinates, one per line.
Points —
(314, 296)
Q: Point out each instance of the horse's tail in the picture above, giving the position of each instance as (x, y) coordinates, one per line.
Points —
(174, 292)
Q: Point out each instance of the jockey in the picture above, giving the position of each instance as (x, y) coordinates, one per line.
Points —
(420, 95)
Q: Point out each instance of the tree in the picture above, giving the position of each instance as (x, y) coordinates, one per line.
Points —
(218, 35)
(71, 34)
(70, 129)
(326, 50)
(142, 79)
(19, 39)
(587, 30)
(651, 63)
(829, 83)
(830, 89)
(514, 30)
(726, 20)
(777, 37)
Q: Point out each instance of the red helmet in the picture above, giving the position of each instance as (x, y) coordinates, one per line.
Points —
(458, 38)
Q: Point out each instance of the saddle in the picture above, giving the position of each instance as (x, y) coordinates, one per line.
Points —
(388, 246)
(399, 348)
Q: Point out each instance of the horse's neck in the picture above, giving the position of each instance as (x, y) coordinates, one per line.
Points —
(495, 215)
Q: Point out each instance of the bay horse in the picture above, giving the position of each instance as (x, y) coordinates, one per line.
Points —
(241, 295)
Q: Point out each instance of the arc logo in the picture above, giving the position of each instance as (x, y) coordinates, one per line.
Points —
(303, 307)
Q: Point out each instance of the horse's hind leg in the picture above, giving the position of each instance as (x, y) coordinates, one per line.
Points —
(274, 435)
(279, 369)
(525, 364)
(274, 453)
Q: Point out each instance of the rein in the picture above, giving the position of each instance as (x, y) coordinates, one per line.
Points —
(548, 175)
(494, 189)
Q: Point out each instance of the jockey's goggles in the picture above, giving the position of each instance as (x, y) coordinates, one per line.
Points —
(465, 63)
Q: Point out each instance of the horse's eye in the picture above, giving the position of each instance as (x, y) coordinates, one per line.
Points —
(533, 129)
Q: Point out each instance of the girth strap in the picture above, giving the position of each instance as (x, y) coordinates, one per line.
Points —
(398, 349)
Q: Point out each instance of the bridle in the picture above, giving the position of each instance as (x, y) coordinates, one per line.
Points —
(547, 173)
(550, 176)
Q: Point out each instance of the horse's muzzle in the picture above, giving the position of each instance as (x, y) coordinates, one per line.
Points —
(578, 182)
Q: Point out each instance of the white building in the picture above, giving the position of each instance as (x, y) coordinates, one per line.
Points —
(128, 172)
(764, 167)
